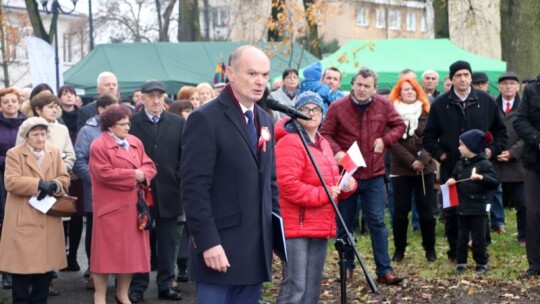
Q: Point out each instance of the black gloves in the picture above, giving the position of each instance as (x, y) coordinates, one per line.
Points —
(46, 187)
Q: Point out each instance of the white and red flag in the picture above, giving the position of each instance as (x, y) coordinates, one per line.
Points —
(352, 160)
(449, 195)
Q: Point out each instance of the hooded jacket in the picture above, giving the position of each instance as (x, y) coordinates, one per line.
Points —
(305, 207)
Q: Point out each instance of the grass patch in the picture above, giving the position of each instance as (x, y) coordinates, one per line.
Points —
(430, 281)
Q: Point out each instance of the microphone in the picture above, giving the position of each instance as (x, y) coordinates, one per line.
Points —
(292, 112)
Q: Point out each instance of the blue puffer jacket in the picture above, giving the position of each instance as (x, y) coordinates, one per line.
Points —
(320, 88)
(85, 137)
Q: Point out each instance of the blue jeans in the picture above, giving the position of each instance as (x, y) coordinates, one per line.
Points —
(373, 198)
(497, 209)
(302, 273)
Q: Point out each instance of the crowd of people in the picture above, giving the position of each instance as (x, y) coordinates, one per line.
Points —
(216, 167)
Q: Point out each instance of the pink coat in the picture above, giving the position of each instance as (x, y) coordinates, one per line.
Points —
(118, 246)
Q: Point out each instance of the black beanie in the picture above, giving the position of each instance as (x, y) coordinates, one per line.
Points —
(476, 141)
(459, 65)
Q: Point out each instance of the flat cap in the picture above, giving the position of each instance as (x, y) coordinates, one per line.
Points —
(479, 77)
(509, 75)
(153, 85)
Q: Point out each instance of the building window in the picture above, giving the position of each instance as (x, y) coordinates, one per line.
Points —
(380, 18)
(362, 16)
(220, 16)
(423, 23)
(394, 20)
(411, 21)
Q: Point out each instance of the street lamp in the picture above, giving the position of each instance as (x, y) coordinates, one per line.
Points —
(54, 10)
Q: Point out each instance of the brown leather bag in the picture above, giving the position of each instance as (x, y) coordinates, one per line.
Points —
(65, 206)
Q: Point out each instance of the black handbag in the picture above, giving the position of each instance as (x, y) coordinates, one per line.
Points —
(144, 218)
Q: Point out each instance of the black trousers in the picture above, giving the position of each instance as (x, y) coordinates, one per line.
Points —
(532, 237)
(166, 257)
(475, 226)
(40, 288)
(404, 188)
(88, 236)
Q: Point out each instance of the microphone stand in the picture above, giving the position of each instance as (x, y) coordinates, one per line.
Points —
(344, 244)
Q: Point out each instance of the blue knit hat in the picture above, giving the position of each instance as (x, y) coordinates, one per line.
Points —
(476, 141)
(308, 97)
(313, 71)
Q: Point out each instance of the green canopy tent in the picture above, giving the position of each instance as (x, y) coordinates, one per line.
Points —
(175, 64)
(389, 57)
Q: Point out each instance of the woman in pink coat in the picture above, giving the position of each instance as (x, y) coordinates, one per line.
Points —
(119, 168)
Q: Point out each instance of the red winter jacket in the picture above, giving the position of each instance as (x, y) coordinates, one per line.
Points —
(305, 207)
(342, 126)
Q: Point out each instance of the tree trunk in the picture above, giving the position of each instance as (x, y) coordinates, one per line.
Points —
(520, 37)
(3, 42)
(164, 20)
(206, 14)
(35, 19)
(440, 10)
(275, 31)
(189, 28)
(312, 29)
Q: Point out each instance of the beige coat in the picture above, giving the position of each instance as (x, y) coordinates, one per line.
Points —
(32, 242)
(57, 135)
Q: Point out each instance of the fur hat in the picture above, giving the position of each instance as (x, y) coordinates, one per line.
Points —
(308, 97)
(476, 141)
(31, 123)
(459, 65)
(313, 71)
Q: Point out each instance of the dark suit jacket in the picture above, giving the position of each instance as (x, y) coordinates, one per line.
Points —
(229, 193)
(165, 149)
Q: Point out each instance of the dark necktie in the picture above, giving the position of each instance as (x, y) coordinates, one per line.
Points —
(252, 132)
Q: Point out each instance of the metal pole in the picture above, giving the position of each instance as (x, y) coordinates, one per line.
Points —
(91, 25)
(56, 59)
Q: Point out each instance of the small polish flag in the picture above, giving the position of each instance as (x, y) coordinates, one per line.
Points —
(449, 195)
(351, 162)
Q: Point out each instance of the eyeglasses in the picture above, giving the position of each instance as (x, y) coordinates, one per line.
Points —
(315, 111)
(124, 124)
(291, 77)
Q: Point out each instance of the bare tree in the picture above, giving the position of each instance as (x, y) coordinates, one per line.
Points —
(440, 8)
(165, 19)
(37, 24)
(123, 20)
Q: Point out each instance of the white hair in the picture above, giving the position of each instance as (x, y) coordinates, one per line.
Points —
(104, 75)
(430, 72)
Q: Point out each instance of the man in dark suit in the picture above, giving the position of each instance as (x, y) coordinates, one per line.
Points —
(161, 133)
(229, 186)
(106, 83)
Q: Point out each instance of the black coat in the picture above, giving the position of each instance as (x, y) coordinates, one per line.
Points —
(473, 195)
(165, 149)
(449, 117)
(85, 113)
(527, 125)
(229, 192)
(510, 171)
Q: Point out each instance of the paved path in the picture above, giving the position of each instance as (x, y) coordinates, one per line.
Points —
(71, 286)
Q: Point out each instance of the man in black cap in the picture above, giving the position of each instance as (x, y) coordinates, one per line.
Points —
(460, 109)
(480, 81)
(507, 164)
(160, 132)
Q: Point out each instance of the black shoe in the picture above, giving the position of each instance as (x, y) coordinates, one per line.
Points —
(460, 269)
(55, 275)
(481, 269)
(135, 296)
(431, 256)
(170, 294)
(7, 283)
(182, 270)
(398, 256)
(530, 274)
(87, 273)
(72, 265)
